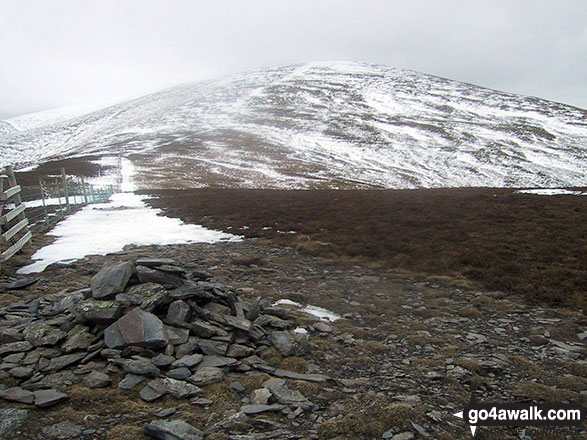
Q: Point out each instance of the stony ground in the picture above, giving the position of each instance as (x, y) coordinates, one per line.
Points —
(406, 354)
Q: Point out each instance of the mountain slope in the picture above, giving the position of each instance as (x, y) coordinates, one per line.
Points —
(326, 125)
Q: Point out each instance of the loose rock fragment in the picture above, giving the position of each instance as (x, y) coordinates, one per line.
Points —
(173, 430)
(111, 280)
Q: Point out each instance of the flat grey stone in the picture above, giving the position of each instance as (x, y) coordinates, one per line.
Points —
(130, 381)
(97, 379)
(178, 313)
(191, 292)
(177, 336)
(15, 347)
(323, 327)
(179, 373)
(258, 409)
(148, 275)
(201, 328)
(284, 342)
(111, 280)
(150, 294)
(162, 360)
(154, 262)
(21, 372)
(17, 394)
(206, 376)
(153, 390)
(211, 347)
(8, 335)
(137, 327)
(237, 386)
(143, 367)
(188, 361)
(173, 430)
(180, 389)
(60, 362)
(260, 396)
(282, 394)
(239, 351)
(217, 361)
(299, 376)
(20, 284)
(47, 398)
(95, 311)
(272, 321)
(78, 338)
(11, 419)
(43, 334)
(64, 430)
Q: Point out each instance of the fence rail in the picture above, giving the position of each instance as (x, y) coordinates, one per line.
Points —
(28, 209)
(13, 223)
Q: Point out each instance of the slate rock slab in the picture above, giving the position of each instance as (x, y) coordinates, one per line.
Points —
(15, 347)
(188, 361)
(20, 284)
(173, 430)
(130, 381)
(17, 394)
(11, 419)
(153, 390)
(206, 376)
(137, 327)
(258, 409)
(97, 379)
(142, 367)
(149, 294)
(98, 312)
(180, 389)
(154, 262)
(111, 280)
(64, 430)
(148, 275)
(47, 398)
(282, 394)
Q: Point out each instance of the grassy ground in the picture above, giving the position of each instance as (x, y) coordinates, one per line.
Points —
(516, 243)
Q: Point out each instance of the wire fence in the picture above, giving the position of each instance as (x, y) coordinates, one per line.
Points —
(56, 196)
(32, 209)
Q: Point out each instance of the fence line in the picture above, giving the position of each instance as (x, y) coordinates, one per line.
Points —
(37, 208)
(14, 230)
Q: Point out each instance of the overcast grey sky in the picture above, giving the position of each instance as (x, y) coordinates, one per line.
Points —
(62, 52)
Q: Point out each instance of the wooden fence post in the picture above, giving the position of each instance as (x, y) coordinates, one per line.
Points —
(84, 190)
(59, 198)
(14, 222)
(65, 193)
(44, 204)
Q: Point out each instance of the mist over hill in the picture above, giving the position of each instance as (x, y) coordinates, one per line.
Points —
(321, 125)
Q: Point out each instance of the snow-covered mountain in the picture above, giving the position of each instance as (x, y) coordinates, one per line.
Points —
(5, 128)
(325, 125)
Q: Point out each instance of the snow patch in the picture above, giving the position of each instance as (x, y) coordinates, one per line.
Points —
(108, 227)
(553, 192)
(316, 311)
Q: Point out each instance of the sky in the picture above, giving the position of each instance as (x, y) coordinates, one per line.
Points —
(66, 52)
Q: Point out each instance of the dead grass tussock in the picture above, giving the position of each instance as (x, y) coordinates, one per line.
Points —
(570, 382)
(295, 363)
(544, 393)
(375, 347)
(471, 312)
(576, 369)
(126, 432)
(108, 400)
(527, 367)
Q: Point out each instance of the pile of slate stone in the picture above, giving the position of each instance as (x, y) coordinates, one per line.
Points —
(168, 330)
